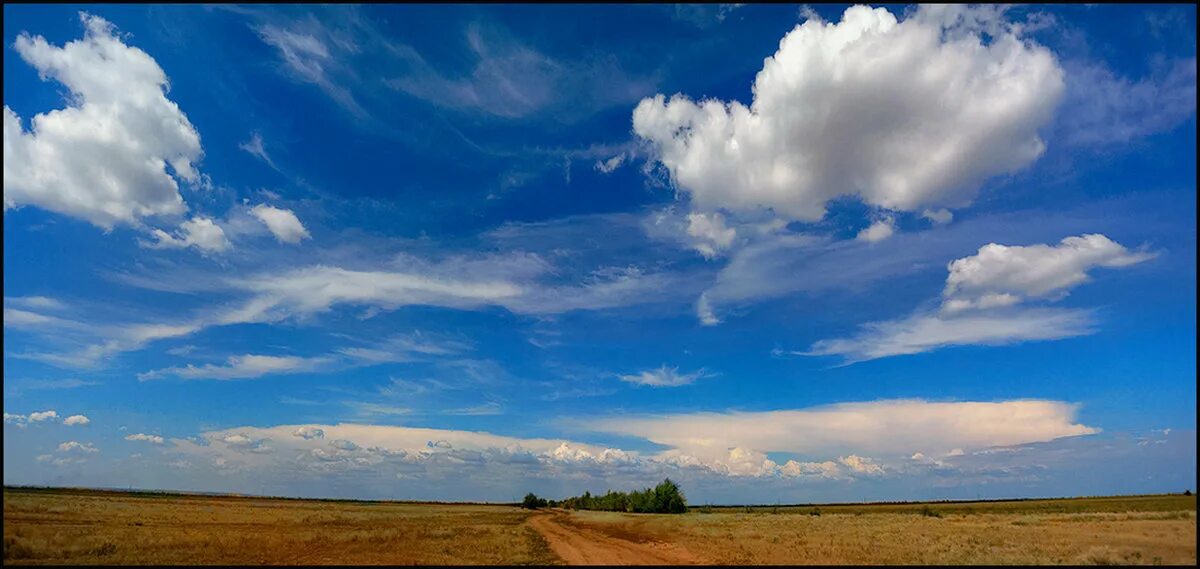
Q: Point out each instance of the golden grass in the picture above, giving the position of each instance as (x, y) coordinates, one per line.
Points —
(114, 528)
(857, 535)
(83, 527)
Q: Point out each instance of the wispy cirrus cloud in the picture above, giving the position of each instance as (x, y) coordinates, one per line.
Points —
(664, 377)
(248, 366)
(513, 80)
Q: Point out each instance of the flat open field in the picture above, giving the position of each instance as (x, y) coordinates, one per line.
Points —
(119, 528)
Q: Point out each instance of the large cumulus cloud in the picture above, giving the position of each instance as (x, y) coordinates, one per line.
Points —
(113, 154)
(902, 114)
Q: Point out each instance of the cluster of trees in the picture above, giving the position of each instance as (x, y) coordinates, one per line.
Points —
(666, 498)
(532, 502)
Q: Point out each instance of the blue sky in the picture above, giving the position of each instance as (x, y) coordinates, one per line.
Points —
(780, 253)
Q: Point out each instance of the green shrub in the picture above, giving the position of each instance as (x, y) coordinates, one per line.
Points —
(666, 498)
(532, 502)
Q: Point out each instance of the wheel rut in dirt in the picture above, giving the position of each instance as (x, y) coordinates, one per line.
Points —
(577, 545)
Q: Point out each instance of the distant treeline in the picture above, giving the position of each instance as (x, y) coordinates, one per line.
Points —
(666, 498)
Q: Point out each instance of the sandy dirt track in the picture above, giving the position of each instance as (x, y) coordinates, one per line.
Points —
(578, 545)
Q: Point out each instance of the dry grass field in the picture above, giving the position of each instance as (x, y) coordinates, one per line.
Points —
(116, 528)
(54, 527)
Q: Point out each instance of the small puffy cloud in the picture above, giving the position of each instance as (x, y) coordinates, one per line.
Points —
(309, 433)
(904, 115)
(608, 166)
(15, 420)
(878, 231)
(284, 224)
(794, 469)
(1000, 275)
(77, 447)
(710, 233)
(105, 157)
(76, 420)
(982, 301)
(199, 232)
(248, 366)
(240, 442)
(43, 416)
(145, 438)
(663, 377)
(861, 465)
(343, 444)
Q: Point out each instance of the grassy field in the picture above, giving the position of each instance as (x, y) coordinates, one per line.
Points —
(84, 527)
(117, 528)
(1150, 530)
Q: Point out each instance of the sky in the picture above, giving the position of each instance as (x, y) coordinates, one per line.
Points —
(778, 253)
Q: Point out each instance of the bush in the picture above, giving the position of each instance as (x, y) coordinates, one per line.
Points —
(666, 498)
(930, 512)
(532, 502)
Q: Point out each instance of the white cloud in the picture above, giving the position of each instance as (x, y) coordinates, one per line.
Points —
(710, 233)
(1003, 275)
(199, 232)
(608, 166)
(887, 427)
(35, 302)
(307, 57)
(703, 16)
(15, 420)
(1105, 110)
(705, 312)
(17, 318)
(904, 115)
(342, 444)
(511, 281)
(926, 332)
(76, 420)
(489, 408)
(663, 377)
(512, 80)
(256, 148)
(76, 447)
(938, 216)
(307, 432)
(827, 469)
(282, 222)
(405, 348)
(247, 366)
(860, 465)
(43, 416)
(878, 231)
(155, 439)
(104, 157)
(981, 297)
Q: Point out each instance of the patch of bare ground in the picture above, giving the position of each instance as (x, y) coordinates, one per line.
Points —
(577, 544)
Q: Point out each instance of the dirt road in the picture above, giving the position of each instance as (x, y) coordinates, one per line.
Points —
(578, 545)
